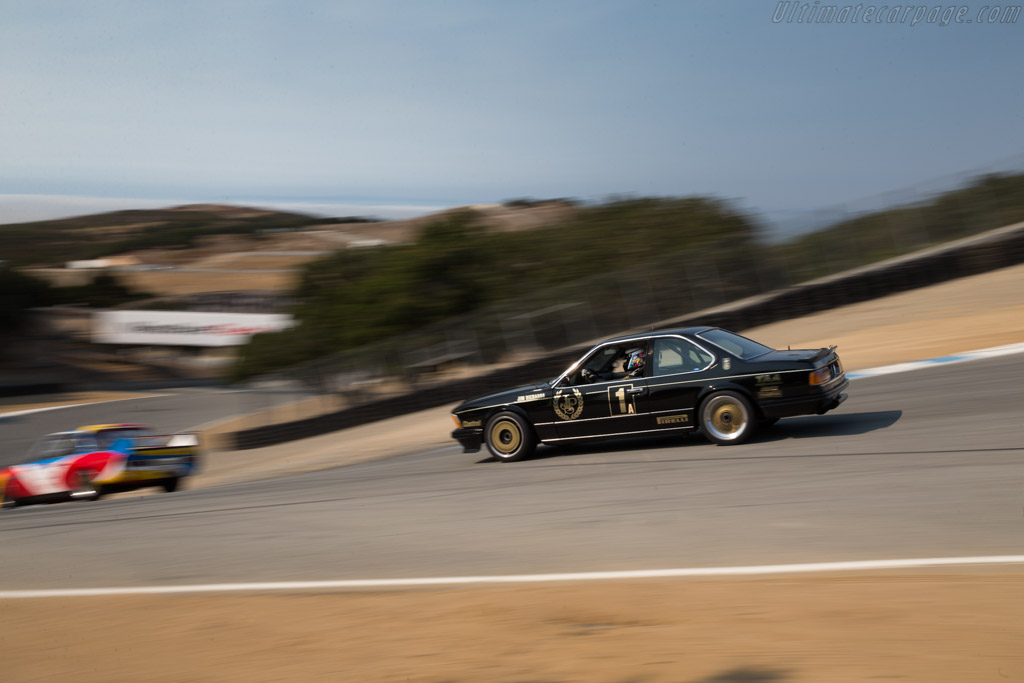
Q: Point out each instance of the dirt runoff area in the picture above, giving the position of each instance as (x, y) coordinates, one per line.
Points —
(923, 626)
(928, 626)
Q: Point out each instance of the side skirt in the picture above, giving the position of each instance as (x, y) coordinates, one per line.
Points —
(644, 431)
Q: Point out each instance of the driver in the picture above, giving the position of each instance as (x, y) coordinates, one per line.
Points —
(635, 361)
(629, 363)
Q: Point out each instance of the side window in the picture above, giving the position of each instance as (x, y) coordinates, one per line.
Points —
(85, 442)
(673, 355)
(599, 366)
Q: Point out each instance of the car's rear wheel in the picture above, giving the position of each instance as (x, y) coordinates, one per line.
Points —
(727, 418)
(171, 485)
(509, 437)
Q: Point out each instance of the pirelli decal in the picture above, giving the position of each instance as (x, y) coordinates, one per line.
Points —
(470, 423)
(674, 420)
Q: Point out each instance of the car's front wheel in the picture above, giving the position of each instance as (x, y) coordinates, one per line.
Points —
(727, 418)
(509, 437)
(86, 488)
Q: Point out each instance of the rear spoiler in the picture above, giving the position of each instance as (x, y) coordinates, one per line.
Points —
(824, 353)
(186, 440)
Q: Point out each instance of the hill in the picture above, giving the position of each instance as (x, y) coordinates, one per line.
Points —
(52, 243)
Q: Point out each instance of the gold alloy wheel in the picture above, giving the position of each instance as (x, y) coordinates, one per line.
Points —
(726, 417)
(505, 437)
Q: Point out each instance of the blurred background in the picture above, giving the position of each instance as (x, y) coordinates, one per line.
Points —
(355, 202)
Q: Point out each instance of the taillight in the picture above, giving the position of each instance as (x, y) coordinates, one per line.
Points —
(820, 376)
(457, 421)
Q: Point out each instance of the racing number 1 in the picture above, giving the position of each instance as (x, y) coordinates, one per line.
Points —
(621, 395)
(626, 402)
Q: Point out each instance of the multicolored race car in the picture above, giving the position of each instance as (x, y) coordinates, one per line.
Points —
(90, 462)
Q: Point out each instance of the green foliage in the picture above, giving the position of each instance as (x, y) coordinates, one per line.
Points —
(989, 202)
(18, 294)
(357, 297)
(699, 251)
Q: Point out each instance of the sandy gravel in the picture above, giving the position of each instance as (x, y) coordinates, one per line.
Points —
(961, 315)
(930, 627)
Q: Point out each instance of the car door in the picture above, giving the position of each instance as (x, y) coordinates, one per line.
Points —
(44, 473)
(606, 407)
(678, 372)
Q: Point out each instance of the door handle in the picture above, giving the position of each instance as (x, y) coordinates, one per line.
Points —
(637, 392)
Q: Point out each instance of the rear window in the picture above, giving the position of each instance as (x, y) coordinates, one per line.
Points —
(673, 356)
(735, 344)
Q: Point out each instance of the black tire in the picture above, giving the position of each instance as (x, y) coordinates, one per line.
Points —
(509, 437)
(727, 418)
(170, 485)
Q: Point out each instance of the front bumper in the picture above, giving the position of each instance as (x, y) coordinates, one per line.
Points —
(471, 439)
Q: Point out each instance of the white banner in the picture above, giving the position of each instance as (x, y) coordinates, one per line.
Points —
(183, 328)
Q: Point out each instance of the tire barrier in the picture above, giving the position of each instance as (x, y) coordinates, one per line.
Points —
(33, 389)
(971, 256)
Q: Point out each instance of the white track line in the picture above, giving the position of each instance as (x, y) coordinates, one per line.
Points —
(16, 413)
(518, 578)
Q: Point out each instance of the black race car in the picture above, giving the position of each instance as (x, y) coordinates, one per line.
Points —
(666, 381)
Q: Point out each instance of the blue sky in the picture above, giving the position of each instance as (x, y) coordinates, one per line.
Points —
(398, 107)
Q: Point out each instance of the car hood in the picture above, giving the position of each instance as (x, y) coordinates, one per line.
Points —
(505, 396)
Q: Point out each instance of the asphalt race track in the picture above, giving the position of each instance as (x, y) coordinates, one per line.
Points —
(168, 412)
(920, 464)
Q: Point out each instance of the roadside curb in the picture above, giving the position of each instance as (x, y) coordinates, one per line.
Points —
(992, 352)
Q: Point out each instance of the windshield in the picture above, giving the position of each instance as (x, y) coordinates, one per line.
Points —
(52, 446)
(735, 344)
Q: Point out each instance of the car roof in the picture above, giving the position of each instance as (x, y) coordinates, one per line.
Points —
(660, 333)
(103, 428)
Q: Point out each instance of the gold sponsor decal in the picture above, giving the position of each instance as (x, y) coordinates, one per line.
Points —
(529, 397)
(768, 385)
(621, 400)
(471, 423)
(568, 403)
(674, 419)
